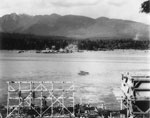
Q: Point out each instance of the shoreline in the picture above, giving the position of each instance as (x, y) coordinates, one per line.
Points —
(34, 51)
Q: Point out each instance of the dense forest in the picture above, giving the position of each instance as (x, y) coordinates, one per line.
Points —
(12, 41)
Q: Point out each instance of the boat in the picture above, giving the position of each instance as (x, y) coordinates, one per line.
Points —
(83, 73)
(20, 51)
(38, 51)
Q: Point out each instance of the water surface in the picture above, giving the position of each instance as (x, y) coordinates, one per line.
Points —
(104, 67)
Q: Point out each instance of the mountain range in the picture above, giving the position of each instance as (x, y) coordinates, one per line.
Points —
(73, 26)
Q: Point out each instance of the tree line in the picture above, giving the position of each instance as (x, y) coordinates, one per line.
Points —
(15, 41)
(114, 44)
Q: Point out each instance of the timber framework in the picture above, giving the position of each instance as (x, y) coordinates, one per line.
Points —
(136, 98)
(41, 98)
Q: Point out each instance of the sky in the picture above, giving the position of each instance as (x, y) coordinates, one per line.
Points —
(119, 9)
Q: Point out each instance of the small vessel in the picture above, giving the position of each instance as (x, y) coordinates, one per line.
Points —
(38, 51)
(83, 73)
(20, 51)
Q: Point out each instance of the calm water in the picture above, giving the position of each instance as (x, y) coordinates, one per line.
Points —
(104, 69)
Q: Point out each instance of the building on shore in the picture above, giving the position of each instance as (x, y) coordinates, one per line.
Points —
(71, 48)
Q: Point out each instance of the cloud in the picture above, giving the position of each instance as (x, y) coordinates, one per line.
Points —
(116, 4)
(14, 4)
(72, 3)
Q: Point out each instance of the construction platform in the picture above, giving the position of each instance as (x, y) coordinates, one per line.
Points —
(53, 99)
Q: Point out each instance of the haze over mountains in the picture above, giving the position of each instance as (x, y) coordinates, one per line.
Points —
(73, 26)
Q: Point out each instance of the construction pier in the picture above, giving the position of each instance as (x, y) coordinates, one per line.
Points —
(53, 99)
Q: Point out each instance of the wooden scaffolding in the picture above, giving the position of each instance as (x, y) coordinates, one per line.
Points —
(43, 98)
(136, 99)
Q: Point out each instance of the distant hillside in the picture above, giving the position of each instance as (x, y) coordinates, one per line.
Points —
(18, 41)
(73, 26)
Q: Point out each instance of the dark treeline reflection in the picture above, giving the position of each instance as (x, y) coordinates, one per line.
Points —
(10, 41)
